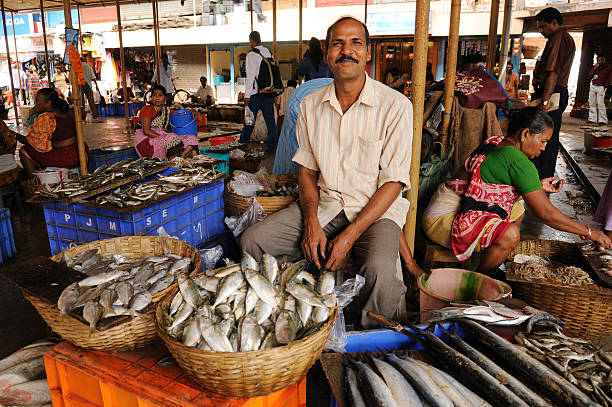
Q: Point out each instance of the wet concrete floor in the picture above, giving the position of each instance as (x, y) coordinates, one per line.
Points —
(20, 324)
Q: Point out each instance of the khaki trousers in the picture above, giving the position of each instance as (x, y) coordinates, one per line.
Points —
(375, 253)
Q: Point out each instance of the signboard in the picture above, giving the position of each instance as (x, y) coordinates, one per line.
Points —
(395, 22)
(22, 24)
(55, 18)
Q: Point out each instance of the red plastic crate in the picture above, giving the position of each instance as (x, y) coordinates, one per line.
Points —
(83, 378)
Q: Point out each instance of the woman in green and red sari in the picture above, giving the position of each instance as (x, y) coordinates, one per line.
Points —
(495, 178)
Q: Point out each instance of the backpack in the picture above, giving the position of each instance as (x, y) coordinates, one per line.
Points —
(269, 81)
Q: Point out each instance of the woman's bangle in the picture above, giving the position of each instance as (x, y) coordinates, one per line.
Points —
(588, 235)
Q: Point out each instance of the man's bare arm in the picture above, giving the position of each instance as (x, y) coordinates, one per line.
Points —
(314, 241)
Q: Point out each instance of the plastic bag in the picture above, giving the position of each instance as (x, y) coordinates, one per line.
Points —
(161, 232)
(246, 184)
(211, 256)
(344, 294)
(249, 117)
(255, 213)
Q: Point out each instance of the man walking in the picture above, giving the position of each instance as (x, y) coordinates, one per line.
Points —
(511, 81)
(254, 100)
(550, 78)
(600, 78)
(87, 91)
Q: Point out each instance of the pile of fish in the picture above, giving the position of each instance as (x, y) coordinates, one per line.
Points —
(140, 194)
(23, 381)
(278, 189)
(249, 306)
(196, 161)
(225, 147)
(497, 372)
(577, 360)
(117, 285)
(532, 268)
(605, 255)
(102, 176)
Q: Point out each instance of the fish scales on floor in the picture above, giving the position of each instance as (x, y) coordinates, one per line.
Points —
(482, 370)
(250, 306)
(164, 185)
(116, 285)
(102, 176)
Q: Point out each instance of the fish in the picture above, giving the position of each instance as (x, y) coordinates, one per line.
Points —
(209, 284)
(262, 311)
(176, 303)
(320, 315)
(102, 278)
(107, 297)
(326, 283)
(403, 393)
(68, 298)
(352, 386)
(263, 288)
(180, 265)
(249, 263)
(251, 334)
(251, 300)
(125, 291)
(285, 327)
(184, 312)
(162, 284)
(225, 271)
(305, 294)
(191, 333)
(269, 341)
(217, 341)
(115, 311)
(228, 286)
(92, 312)
(269, 268)
(140, 301)
(304, 311)
(189, 290)
(376, 391)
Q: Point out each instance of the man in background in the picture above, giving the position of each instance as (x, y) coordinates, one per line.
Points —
(204, 94)
(87, 91)
(511, 82)
(550, 78)
(599, 78)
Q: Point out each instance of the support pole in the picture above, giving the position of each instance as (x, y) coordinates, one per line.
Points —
(419, 67)
(274, 30)
(251, 4)
(156, 36)
(492, 46)
(451, 68)
(17, 63)
(300, 7)
(80, 28)
(365, 12)
(8, 57)
(76, 100)
(42, 14)
(123, 71)
(503, 55)
(232, 74)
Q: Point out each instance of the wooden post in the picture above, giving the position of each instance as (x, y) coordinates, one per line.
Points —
(300, 16)
(365, 12)
(451, 68)
(76, 99)
(42, 14)
(274, 30)
(80, 28)
(503, 55)
(251, 4)
(8, 57)
(419, 68)
(123, 71)
(156, 36)
(17, 62)
(232, 74)
(492, 47)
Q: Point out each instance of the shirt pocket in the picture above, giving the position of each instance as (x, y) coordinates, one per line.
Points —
(366, 158)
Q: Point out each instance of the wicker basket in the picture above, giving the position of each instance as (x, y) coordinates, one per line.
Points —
(245, 374)
(236, 205)
(586, 311)
(244, 165)
(132, 334)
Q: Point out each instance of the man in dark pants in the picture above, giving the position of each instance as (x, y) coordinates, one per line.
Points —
(550, 78)
(254, 100)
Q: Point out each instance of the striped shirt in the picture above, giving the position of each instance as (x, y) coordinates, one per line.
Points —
(358, 151)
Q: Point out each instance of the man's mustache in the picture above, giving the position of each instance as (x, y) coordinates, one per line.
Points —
(346, 58)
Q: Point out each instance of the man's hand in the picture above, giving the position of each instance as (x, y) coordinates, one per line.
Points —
(339, 250)
(314, 242)
(247, 101)
(544, 107)
(549, 186)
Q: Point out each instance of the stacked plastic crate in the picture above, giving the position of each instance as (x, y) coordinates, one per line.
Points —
(194, 216)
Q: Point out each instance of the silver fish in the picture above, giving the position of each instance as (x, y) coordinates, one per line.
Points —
(108, 297)
(180, 265)
(400, 387)
(140, 301)
(191, 333)
(176, 303)
(203, 346)
(225, 326)
(305, 277)
(353, 388)
(87, 295)
(250, 335)
(115, 311)
(209, 284)
(262, 286)
(249, 263)
(156, 259)
(184, 312)
(101, 278)
(376, 387)
(320, 315)
(68, 298)
(125, 291)
(269, 341)
(269, 267)
(250, 300)
(288, 303)
(156, 276)
(226, 271)
(228, 286)
(233, 338)
(92, 311)
(162, 284)
(262, 311)
(81, 258)
(326, 283)
(189, 290)
(286, 327)
(216, 340)
(305, 294)
(304, 311)
(143, 273)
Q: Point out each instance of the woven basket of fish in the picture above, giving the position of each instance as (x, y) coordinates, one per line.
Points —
(236, 205)
(112, 307)
(238, 332)
(550, 275)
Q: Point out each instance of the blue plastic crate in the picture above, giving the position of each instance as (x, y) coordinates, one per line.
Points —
(54, 245)
(85, 220)
(167, 208)
(86, 236)
(64, 215)
(198, 232)
(51, 230)
(184, 233)
(66, 244)
(99, 157)
(214, 224)
(67, 233)
(214, 205)
(7, 242)
(224, 167)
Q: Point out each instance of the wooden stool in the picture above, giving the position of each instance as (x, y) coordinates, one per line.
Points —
(436, 253)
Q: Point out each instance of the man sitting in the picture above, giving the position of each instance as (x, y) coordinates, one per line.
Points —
(204, 95)
(355, 138)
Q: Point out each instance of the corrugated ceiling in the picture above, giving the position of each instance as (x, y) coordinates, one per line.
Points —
(34, 5)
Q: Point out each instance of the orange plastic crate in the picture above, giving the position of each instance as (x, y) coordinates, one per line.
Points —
(83, 378)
